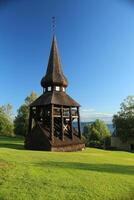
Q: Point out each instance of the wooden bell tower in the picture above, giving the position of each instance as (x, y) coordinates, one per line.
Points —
(53, 113)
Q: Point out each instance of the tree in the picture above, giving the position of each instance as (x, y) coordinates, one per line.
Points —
(86, 130)
(97, 134)
(7, 109)
(6, 122)
(21, 120)
(123, 121)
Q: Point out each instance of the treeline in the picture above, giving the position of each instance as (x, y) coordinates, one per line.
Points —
(18, 125)
(98, 135)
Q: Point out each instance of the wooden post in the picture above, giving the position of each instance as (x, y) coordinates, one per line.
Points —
(62, 123)
(30, 121)
(79, 129)
(52, 124)
(71, 126)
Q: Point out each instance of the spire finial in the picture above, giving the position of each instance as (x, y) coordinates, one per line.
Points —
(53, 24)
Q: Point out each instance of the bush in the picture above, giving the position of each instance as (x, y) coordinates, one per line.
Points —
(95, 143)
(107, 142)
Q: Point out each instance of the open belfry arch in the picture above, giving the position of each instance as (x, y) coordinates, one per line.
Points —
(52, 115)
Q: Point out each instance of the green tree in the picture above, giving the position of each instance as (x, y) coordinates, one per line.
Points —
(123, 121)
(97, 134)
(86, 130)
(21, 120)
(6, 120)
(7, 109)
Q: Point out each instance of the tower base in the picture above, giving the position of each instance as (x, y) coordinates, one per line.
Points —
(39, 139)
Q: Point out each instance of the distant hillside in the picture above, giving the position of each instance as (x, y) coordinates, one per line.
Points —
(110, 126)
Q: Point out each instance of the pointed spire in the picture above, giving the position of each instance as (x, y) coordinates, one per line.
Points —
(54, 75)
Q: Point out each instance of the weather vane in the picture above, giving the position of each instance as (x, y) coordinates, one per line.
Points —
(53, 24)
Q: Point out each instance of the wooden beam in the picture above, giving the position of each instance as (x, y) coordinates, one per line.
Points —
(52, 124)
(79, 129)
(71, 126)
(62, 124)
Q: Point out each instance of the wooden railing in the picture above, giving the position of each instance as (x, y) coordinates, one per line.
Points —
(66, 113)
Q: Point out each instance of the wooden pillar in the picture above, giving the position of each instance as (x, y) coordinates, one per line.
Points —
(62, 124)
(71, 126)
(79, 129)
(37, 115)
(52, 124)
(30, 120)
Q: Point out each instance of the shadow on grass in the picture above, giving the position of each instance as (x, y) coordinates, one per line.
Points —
(11, 142)
(106, 168)
(12, 146)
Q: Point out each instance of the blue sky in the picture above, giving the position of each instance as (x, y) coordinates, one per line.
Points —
(96, 44)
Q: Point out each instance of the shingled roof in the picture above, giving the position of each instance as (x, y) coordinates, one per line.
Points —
(57, 98)
(54, 75)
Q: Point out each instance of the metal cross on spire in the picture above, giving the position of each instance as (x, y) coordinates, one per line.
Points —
(53, 24)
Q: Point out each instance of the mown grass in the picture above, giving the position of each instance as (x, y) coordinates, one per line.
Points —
(88, 175)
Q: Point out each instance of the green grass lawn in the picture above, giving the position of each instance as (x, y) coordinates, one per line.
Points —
(91, 174)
